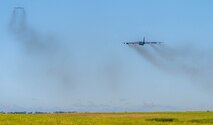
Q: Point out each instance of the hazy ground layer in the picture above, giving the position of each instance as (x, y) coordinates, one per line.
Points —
(155, 118)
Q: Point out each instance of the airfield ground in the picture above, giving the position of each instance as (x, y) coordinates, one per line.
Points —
(154, 118)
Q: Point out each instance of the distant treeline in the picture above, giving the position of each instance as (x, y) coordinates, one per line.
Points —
(57, 112)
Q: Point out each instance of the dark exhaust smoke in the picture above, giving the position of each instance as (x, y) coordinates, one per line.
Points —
(149, 56)
(44, 55)
(18, 21)
(186, 61)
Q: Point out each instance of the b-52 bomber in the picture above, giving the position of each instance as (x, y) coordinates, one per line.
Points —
(142, 43)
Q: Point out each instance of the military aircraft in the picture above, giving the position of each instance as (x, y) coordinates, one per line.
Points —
(142, 43)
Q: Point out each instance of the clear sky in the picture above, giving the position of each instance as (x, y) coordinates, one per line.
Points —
(78, 61)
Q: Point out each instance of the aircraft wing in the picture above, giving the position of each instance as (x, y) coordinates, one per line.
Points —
(131, 43)
(153, 42)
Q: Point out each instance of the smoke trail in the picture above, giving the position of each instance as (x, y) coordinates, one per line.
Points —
(43, 54)
(162, 53)
(18, 21)
(28, 37)
(144, 52)
(185, 61)
(178, 60)
(149, 56)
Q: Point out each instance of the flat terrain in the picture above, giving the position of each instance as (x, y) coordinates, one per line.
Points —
(154, 118)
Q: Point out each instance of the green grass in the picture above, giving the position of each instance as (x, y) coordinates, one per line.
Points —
(154, 118)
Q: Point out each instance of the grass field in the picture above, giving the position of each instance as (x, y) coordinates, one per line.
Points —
(155, 118)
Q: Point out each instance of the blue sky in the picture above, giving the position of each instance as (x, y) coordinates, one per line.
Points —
(101, 71)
